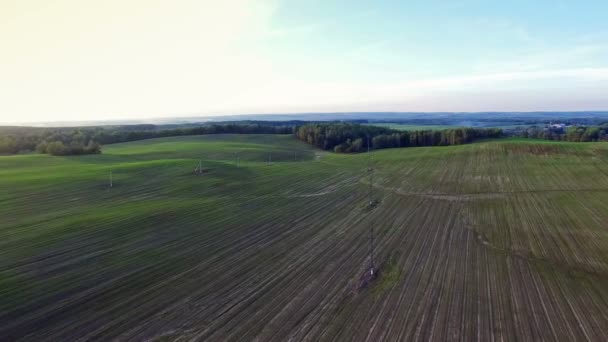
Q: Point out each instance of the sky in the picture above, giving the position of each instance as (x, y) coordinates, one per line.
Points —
(79, 60)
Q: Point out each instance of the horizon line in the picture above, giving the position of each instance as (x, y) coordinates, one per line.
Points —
(211, 117)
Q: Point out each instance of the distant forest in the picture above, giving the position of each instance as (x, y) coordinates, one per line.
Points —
(350, 137)
(88, 140)
(572, 133)
(341, 137)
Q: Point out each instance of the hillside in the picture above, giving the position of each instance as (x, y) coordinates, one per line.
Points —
(500, 240)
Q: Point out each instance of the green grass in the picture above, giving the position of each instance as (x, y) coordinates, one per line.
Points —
(503, 239)
(389, 276)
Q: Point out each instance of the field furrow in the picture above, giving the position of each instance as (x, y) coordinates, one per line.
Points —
(494, 241)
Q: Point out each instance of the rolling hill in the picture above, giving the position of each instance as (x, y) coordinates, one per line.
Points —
(499, 240)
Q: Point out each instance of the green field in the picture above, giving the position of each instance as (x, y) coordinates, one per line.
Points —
(500, 240)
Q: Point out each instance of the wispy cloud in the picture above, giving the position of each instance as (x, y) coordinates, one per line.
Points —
(301, 96)
(506, 27)
(547, 59)
(117, 58)
(370, 49)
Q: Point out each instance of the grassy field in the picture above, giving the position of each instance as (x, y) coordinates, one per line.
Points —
(500, 240)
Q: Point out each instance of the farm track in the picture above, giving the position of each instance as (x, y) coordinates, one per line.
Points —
(485, 242)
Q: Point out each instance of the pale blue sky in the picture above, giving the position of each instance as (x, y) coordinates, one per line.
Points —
(83, 60)
(389, 40)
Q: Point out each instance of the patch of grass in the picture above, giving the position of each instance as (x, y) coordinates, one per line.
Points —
(388, 276)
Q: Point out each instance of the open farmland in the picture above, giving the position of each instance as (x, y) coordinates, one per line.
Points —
(502, 240)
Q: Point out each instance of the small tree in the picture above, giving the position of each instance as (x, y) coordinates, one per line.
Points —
(56, 148)
(93, 147)
(42, 146)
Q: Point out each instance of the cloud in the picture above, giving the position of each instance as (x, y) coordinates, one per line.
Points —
(289, 95)
(71, 60)
(370, 48)
(546, 59)
(506, 27)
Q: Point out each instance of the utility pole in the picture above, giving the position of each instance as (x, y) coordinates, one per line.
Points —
(370, 171)
(199, 168)
(269, 158)
(111, 179)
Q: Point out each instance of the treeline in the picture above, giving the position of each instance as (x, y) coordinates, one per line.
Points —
(110, 137)
(55, 142)
(349, 138)
(572, 133)
(88, 140)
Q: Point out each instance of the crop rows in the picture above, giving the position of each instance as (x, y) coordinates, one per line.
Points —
(491, 241)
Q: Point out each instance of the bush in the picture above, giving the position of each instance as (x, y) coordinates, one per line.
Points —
(56, 148)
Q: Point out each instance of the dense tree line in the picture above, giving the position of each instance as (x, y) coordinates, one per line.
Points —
(88, 140)
(110, 137)
(348, 137)
(572, 133)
